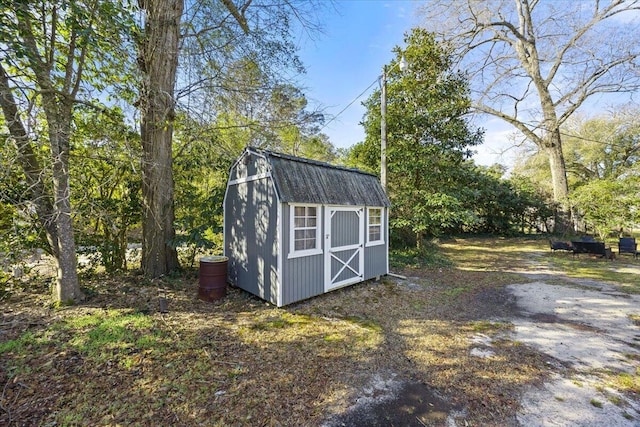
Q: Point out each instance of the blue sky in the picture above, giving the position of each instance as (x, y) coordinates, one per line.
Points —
(341, 63)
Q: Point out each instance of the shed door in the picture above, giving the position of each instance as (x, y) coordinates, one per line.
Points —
(344, 243)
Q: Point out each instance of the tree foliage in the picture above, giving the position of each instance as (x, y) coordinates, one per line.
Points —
(256, 116)
(428, 137)
(499, 205)
(69, 150)
(56, 56)
(535, 63)
(106, 165)
(602, 163)
(608, 206)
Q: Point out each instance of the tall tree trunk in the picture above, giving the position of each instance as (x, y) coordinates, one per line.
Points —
(158, 62)
(67, 286)
(552, 145)
(553, 148)
(57, 103)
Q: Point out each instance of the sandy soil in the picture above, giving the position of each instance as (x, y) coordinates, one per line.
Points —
(584, 328)
(587, 330)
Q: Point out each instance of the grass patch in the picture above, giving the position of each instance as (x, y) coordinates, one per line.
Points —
(456, 291)
(485, 326)
(596, 403)
(20, 344)
(430, 256)
(490, 254)
(271, 324)
(616, 400)
(625, 382)
(101, 335)
(603, 270)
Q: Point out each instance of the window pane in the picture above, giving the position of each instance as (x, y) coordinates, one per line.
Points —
(305, 228)
(375, 216)
(375, 233)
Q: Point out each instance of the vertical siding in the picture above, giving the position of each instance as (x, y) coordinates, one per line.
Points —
(375, 261)
(375, 257)
(302, 277)
(253, 165)
(251, 235)
(344, 229)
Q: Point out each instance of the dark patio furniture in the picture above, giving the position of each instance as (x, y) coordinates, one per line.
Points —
(560, 246)
(628, 245)
(591, 248)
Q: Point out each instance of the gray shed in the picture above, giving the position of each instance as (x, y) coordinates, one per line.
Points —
(296, 228)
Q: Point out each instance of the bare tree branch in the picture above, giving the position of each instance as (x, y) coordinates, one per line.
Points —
(542, 59)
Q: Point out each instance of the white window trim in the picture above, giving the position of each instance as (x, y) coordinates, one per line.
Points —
(381, 225)
(307, 252)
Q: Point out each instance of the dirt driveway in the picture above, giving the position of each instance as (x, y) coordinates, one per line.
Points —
(588, 329)
(584, 327)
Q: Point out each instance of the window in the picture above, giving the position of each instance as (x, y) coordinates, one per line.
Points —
(374, 227)
(305, 231)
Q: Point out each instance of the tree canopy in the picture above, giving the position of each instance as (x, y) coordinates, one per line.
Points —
(428, 136)
(602, 165)
(56, 57)
(535, 63)
(70, 81)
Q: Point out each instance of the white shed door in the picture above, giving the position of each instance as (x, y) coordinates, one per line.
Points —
(344, 243)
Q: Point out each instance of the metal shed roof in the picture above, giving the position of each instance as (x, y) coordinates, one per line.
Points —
(299, 180)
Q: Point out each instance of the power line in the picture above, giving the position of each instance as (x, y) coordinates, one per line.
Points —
(349, 105)
(536, 126)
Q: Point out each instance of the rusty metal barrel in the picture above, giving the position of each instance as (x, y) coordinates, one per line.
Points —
(212, 278)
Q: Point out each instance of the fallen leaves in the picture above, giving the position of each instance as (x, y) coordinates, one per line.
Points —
(116, 360)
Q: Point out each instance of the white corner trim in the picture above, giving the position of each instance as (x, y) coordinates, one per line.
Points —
(250, 178)
(279, 254)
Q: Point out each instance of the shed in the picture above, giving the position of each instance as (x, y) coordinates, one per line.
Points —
(296, 228)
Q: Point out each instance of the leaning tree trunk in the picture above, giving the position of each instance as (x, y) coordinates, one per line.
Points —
(55, 218)
(30, 164)
(158, 59)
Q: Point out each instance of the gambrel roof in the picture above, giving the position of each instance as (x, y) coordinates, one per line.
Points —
(299, 180)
